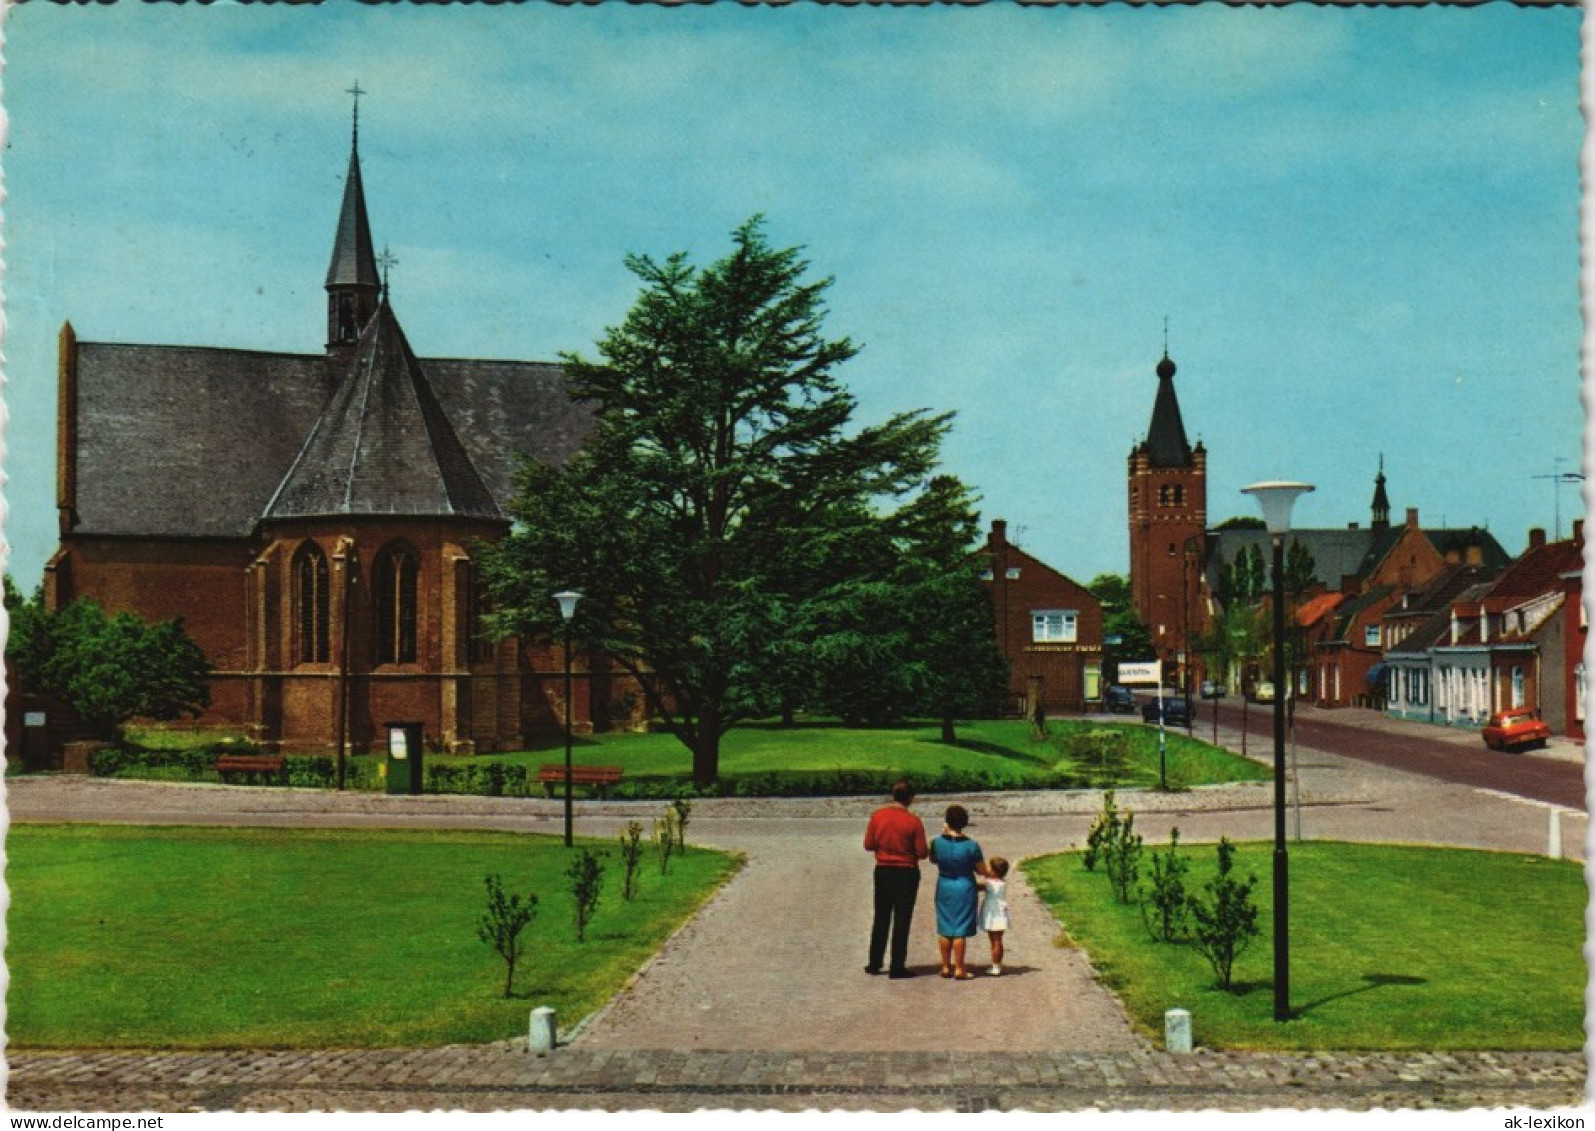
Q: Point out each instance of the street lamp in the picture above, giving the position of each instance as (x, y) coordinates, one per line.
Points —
(1276, 499)
(567, 609)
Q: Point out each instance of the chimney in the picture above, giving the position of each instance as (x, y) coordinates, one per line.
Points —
(1578, 531)
(1536, 537)
(1412, 518)
(999, 533)
(1351, 526)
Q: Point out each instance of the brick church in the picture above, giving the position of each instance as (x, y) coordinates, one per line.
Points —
(312, 517)
(1168, 531)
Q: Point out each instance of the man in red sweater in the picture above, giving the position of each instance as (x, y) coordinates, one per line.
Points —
(897, 838)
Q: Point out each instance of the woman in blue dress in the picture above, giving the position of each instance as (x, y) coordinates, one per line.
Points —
(958, 860)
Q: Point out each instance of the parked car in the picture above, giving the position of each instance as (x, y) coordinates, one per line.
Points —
(1517, 729)
(1212, 689)
(1263, 691)
(1176, 711)
(1119, 699)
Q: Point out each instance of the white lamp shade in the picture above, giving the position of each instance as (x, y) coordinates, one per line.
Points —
(1276, 499)
(567, 602)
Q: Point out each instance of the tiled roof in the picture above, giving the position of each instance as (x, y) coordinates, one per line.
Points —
(383, 444)
(1316, 608)
(1538, 572)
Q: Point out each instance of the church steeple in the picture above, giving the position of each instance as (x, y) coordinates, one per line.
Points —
(353, 285)
(1166, 444)
(1381, 501)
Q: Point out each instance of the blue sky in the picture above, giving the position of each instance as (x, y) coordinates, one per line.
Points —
(1361, 225)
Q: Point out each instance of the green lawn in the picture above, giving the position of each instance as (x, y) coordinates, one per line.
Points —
(825, 757)
(243, 937)
(1392, 947)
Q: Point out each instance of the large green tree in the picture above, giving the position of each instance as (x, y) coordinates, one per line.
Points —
(723, 486)
(914, 636)
(110, 669)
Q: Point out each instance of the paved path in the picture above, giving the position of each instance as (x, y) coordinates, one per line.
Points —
(505, 1077)
(762, 998)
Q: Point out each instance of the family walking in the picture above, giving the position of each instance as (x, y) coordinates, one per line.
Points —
(897, 838)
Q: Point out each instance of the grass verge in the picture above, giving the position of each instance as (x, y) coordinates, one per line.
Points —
(276, 938)
(1391, 947)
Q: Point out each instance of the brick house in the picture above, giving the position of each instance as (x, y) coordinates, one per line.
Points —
(1413, 626)
(313, 517)
(1048, 626)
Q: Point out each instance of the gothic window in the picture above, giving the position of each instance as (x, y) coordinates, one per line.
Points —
(1179, 495)
(311, 611)
(1163, 495)
(394, 591)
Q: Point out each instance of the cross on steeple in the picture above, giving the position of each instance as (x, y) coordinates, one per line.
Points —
(357, 92)
(386, 260)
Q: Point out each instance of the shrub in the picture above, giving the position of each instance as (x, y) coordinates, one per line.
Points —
(586, 874)
(1164, 904)
(1227, 925)
(1105, 825)
(630, 859)
(503, 923)
(1121, 859)
(664, 840)
(681, 810)
(1113, 842)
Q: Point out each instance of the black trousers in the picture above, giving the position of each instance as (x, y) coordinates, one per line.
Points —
(896, 889)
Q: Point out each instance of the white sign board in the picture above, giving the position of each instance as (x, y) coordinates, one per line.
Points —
(1150, 672)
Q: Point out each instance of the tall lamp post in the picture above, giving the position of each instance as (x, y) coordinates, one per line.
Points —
(1276, 499)
(567, 609)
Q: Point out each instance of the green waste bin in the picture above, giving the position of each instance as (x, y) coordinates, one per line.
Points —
(404, 757)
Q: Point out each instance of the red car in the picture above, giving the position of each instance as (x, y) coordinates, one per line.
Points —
(1517, 729)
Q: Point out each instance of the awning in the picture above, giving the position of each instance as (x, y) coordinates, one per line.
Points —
(1377, 672)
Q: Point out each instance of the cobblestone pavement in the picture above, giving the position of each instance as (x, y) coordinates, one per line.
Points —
(507, 1077)
(771, 969)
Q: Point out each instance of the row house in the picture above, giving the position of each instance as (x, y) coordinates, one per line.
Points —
(1514, 641)
(1048, 626)
(1360, 576)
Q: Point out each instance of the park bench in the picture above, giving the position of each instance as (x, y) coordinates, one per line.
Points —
(599, 778)
(266, 765)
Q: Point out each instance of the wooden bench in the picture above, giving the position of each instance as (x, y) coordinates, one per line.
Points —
(266, 765)
(599, 778)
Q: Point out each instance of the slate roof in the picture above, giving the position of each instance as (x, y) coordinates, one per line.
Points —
(1352, 551)
(1436, 630)
(184, 441)
(353, 258)
(383, 444)
(1166, 444)
(1444, 588)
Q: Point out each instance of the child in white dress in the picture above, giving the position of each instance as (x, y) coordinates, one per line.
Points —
(994, 909)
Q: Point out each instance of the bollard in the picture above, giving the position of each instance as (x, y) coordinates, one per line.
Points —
(1554, 850)
(1177, 1030)
(540, 1039)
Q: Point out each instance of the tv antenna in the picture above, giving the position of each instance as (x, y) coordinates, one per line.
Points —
(1558, 477)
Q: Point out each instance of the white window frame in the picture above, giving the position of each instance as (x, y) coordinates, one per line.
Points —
(1054, 626)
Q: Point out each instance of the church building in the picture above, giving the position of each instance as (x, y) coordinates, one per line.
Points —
(1168, 532)
(313, 516)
